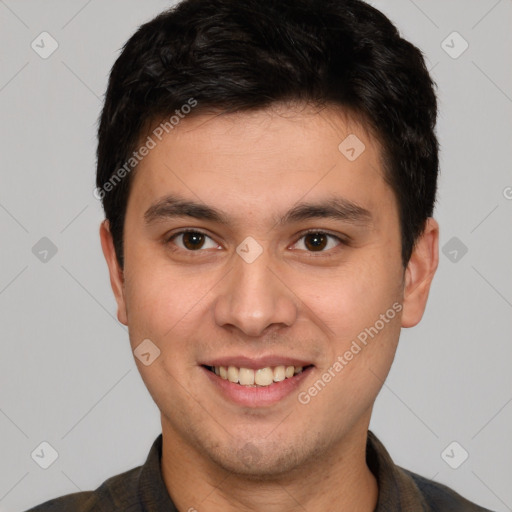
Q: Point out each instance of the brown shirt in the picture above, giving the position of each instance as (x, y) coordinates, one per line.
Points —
(142, 489)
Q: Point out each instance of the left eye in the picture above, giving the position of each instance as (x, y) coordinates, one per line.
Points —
(193, 241)
(317, 242)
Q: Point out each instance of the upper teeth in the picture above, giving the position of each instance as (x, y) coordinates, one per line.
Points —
(261, 377)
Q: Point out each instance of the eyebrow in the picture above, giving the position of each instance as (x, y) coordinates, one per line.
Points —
(336, 208)
(173, 206)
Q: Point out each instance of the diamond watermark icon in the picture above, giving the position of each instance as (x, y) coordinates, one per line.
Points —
(454, 455)
(44, 45)
(44, 250)
(44, 455)
(249, 455)
(249, 249)
(454, 45)
(146, 352)
(351, 147)
(454, 249)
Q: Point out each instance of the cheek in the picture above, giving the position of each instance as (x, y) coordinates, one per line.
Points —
(165, 307)
(350, 298)
(163, 304)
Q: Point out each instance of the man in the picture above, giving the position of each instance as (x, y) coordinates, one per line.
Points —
(268, 172)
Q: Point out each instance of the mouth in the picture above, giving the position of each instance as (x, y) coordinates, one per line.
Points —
(255, 384)
(260, 377)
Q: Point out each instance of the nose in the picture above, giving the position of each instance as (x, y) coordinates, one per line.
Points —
(253, 299)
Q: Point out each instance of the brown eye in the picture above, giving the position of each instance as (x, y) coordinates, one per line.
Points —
(193, 240)
(315, 241)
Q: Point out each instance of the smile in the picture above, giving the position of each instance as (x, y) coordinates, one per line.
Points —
(259, 377)
(258, 381)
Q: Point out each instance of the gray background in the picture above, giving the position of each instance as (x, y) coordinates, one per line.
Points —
(67, 375)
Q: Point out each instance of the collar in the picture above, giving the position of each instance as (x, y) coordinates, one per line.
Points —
(397, 489)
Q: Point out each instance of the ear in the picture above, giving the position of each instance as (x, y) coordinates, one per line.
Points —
(115, 271)
(419, 274)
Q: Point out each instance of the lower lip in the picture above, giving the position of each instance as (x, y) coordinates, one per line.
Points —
(257, 396)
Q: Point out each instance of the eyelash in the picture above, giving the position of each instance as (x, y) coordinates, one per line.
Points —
(340, 240)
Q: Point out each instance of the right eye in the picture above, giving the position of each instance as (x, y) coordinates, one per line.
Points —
(191, 240)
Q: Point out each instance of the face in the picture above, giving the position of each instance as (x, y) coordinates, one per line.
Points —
(257, 250)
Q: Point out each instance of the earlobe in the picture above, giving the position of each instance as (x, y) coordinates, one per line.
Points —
(115, 271)
(419, 274)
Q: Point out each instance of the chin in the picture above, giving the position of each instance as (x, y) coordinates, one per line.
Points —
(263, 461)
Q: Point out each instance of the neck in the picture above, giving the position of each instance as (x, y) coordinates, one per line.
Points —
(339, 480)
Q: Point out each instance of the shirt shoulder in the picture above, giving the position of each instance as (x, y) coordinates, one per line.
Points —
(118, 492)
(441, 498)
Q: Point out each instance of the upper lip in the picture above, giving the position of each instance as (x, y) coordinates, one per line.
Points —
(255, 363)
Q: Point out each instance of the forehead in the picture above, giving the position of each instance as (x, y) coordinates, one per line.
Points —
(295, 128)
(263, 157)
